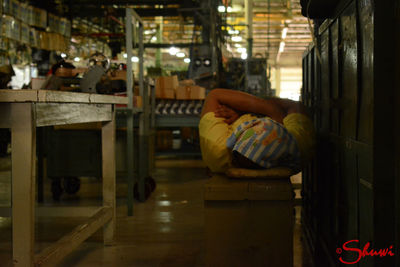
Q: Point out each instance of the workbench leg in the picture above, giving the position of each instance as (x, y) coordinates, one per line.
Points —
(108, 153)
(23, 145)
(40, 156)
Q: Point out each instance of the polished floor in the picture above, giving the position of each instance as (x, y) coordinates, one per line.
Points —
(166, 230)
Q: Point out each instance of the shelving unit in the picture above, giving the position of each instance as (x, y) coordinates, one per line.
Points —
(146, 121)
(128, 118)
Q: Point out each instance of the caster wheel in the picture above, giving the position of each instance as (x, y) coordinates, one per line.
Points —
(71, 185)
(151, 182)
(56, 188)
(147, 191)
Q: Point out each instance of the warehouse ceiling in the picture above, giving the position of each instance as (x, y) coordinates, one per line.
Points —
(272, 20)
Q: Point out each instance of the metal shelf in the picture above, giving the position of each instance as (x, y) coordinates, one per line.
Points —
(163, 121)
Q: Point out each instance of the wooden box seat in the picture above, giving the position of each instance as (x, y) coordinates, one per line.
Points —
(249, 218)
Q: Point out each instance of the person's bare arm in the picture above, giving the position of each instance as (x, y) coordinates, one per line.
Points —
(230, 115)
(243, 102)
(275, 108)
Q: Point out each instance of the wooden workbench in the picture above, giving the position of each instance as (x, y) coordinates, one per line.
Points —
(23, 111)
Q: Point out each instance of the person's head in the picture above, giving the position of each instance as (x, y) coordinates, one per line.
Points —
(240, 161)
(263, 143)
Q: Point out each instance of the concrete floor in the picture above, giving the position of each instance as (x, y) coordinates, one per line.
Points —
(166, 230)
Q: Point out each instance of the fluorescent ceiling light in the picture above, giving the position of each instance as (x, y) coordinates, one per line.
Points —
(149, 31)
(236, 38)
(242, 50)
(63, 55)
(180, 54)
(284, 32)
(238, 45)
(187, 60)
(153, 38)
(125, 55)
(243, 56)
(281, 47)
(221, 9)
(233, 31)
(77, 59)
(229, 9)
(173, 51)
(135, 59)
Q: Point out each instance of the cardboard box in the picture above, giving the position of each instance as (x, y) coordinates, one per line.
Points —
(192, 92)
(186, 83)
(165, 93)
(137, 101)
(167, 82)
(197, 92)
(183, 93)
(166, 86)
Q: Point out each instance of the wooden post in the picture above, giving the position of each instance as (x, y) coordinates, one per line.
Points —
(23, 143)
(108, 151)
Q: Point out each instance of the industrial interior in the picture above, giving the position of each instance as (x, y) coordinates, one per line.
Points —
(101, 158)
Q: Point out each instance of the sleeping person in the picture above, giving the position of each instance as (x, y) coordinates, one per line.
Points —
(241, 130)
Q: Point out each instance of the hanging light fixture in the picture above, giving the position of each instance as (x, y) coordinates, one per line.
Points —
(284, 32)
(173, 50)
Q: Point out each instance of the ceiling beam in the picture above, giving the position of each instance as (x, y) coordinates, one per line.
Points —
(178, 45)
(88, 11)
(124, 2)
(95, 11)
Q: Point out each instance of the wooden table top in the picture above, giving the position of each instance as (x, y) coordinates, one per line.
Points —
(47, 96)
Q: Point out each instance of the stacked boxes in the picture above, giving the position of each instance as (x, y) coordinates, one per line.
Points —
(168, 87)
(20, 22)
(190, 92)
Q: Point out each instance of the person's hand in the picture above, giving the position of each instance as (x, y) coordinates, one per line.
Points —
(226, 112)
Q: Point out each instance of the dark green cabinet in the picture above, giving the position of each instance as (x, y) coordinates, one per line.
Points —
(350, 190)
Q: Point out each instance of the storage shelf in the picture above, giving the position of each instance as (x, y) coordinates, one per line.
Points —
(162, 121)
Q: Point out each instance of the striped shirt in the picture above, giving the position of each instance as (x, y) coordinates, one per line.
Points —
(266, 143)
